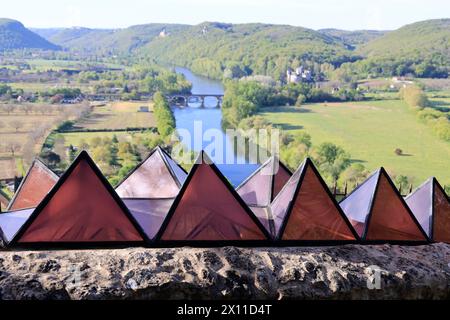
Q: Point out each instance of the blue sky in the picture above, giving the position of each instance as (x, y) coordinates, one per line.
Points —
(344, 14)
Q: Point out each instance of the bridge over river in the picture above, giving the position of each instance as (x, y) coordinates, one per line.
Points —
(199, 100)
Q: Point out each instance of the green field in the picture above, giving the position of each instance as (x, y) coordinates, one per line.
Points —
(56, 65)
(370, 132)
(76, 138)
(115, 116)
(46, 86)
(119, 115)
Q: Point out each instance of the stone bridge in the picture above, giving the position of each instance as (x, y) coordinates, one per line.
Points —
(183, 100)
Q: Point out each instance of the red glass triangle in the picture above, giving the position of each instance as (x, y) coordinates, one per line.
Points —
(37, 183)
(314, 215)
(208, 211)
(390, 218)
(81, 209)
(441, 219)
(280, 179)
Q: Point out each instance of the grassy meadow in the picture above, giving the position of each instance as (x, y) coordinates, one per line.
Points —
(119, 115)
(371, 131)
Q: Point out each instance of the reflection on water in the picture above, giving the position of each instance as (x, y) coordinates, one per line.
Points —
(211, 118)
(201, 85)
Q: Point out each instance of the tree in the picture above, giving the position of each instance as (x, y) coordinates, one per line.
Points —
(60, 148)
(51, 158)
(332, 160)
(303, 138)
(16, 124)
(402, 182)
(255, 122)
(9, 108)
(83, 145)
(57, 98)
(13, 147)
(414, 97)
(27, 108)
(355, 174)
(300, 100)
(96, 142)
(28, 151)
(328, 152)
(165, 120)
(4, 89)
(126, 152)
(447, 189)
(72, 153)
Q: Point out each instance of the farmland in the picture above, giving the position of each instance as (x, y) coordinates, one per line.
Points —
(23, 129)
(114, 117)
(371, 131)
(118, 115)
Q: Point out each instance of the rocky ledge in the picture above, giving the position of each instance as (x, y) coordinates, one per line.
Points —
(341, 272)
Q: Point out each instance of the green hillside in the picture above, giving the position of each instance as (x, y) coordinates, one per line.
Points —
(210, 48)
(13, 35)
(222, 50)
(46, 33)
(108, 41)
(354, 38)
(421, 39)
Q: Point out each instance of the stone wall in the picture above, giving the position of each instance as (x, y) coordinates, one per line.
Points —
(340, 272)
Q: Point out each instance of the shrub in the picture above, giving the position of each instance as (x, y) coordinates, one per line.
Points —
(65, 126)
(300, 100)
(414, 97)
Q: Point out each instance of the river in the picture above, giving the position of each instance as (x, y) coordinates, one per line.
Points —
(240, 169)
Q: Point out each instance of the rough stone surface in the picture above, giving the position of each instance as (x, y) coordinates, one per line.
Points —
(341, 272)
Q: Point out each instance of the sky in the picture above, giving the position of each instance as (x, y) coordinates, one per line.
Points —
(315, 14)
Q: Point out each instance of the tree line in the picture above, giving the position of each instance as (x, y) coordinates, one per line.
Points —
(426, 112)
(246, 97)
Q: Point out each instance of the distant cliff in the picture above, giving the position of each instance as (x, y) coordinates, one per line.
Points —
(341, 272)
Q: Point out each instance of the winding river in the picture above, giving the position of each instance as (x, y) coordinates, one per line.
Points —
(240, 169)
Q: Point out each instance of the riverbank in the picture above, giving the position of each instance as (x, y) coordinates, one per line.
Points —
(210, 119)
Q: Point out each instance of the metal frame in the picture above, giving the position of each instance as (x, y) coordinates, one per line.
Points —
(163, 156)
(367, 221)
(83, 156)
(272, 178)
(2, 234)
(270, 190)
(41, 164)
(434, 184)
(308, 163)
(431, 220)
(209, 243)
(3, 243)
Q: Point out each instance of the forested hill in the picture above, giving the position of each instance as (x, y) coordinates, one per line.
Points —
(13, 35)
(354, 38)
(212, 48)
(421, 39)
(235, 50)
(108, 41)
